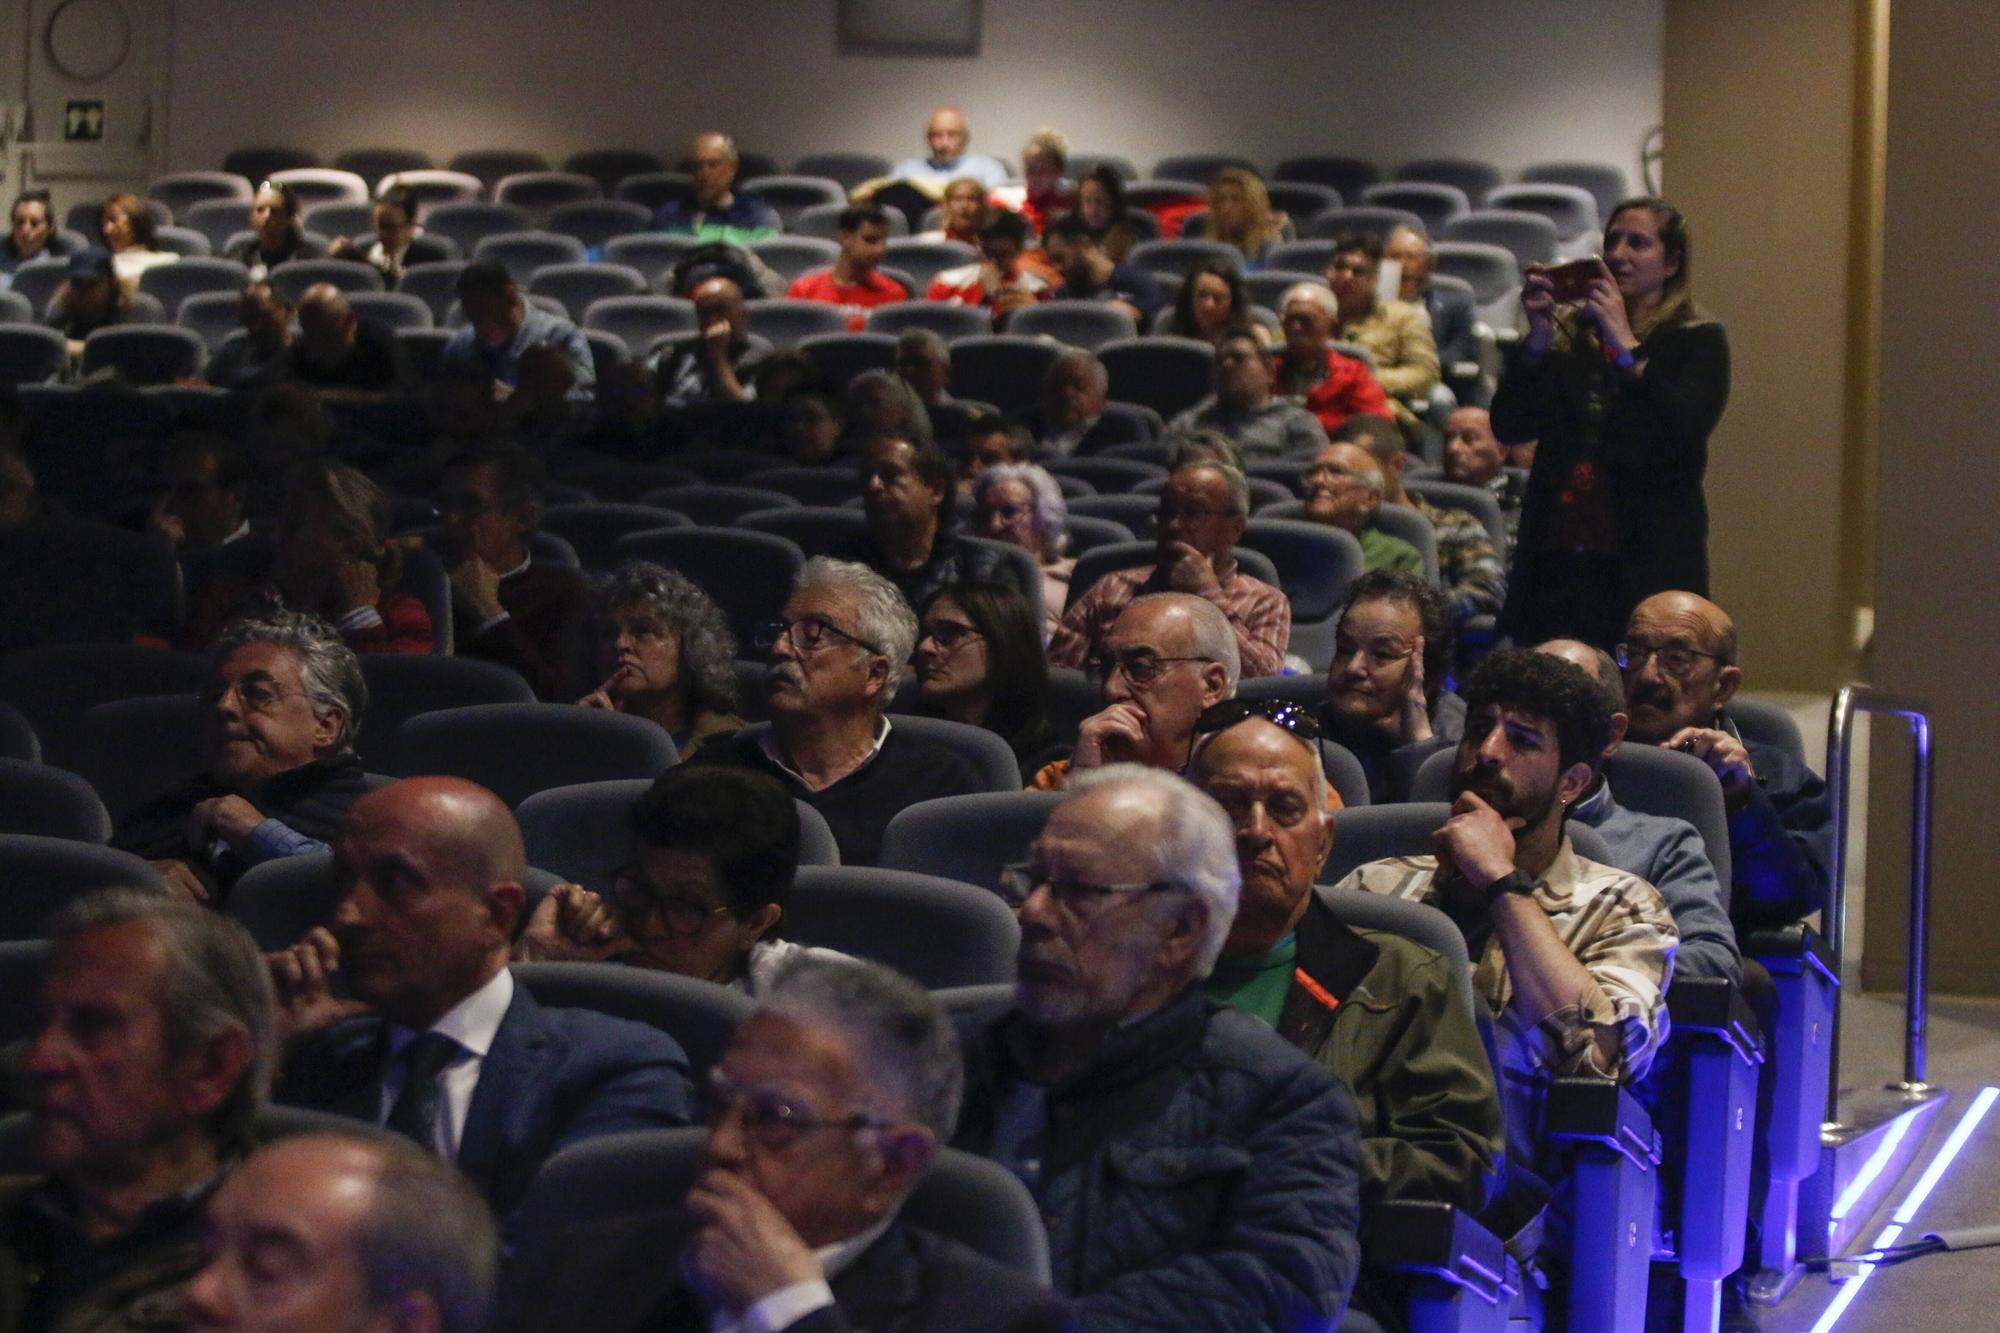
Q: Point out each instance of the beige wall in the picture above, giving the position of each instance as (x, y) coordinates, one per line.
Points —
(1143, 78)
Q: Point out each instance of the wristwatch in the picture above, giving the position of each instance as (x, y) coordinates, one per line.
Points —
(1514, 881)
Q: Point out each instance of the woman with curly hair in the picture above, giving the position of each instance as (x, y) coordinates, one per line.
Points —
(668, 655)
(1239, 214)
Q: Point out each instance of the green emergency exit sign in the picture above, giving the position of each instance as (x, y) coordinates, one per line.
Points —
(83, 122)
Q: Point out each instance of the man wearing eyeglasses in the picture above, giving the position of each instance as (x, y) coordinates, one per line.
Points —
(827, 1109)
(837, 652)
(1193, 1168)
(1679, 659)
(1203, 509)
(283, 704)
(1343, 489)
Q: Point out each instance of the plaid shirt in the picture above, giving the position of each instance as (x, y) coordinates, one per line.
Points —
(1467, 562)
(1615, 924)
(1259, 613)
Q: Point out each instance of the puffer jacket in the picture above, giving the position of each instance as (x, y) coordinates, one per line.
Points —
(1201, 1172)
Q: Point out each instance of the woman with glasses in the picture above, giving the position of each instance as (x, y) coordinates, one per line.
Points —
(1020, 504)
(714, 852)
(667, 655)
(1621, 379)
(979, 661)
(276, 234)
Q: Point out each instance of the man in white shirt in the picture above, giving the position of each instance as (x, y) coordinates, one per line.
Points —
(948, 136)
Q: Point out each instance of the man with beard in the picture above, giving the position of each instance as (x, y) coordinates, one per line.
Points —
(1089, 274)
(1571, 957)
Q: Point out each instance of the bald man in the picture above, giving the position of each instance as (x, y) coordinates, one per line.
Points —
(1679, 660)
(713, 211)
(338, 349)
(948, 137)
(437, 1042)
(1343, 488)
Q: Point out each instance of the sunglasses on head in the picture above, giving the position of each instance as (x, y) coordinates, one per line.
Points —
(1282, 713)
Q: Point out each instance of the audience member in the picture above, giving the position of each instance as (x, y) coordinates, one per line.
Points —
(1679, 657)
(1343, 489)
(1315, 374)
(838, 650)
(1021, 504)
(399, 242)
(1166, 658)
(205, 496)
(1202, 512)
(1234, 1195)
(908, 494)
(126, 227)
(323, 1233)
(31, 233)
(1623, 388)
(1243, 406)
(437, 1042)
(979, 661)
(963, 203)
(997, 280)
(262, 354)
(1451, 313)
(1211, 302)
(923, 359)
(991, 441)
(1385, 695)
(1380, 1011)
(714, 852)
(508, 607)
(276, 235)
(1050, 194)
(152, 1053)
(854, 283)
(283, 705)
(1100, 202)
(500, 328)
(714, 211)
(90, 298)
(1472, 457)
(669, 655)
(1089, 273)
(1240, 215)
(1394, 332)
(1189, 445)
(331, 556)
(786, 1227)
(338, 349)
(881, 402)
(1572, 958)
(814, 420)
(948, 137)
(1071, 419)
(720, 364)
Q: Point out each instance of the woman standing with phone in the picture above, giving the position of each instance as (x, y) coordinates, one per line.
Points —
(1621, 378)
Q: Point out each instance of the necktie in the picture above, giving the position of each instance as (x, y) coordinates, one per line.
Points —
(416, 1110)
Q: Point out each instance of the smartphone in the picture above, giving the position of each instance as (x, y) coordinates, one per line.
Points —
(1571, 280)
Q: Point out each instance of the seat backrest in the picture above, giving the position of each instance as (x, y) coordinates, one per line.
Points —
(1406, 523)
(1475, 500)
(1529, 237)
(1004, 369)
(290, 279)
(1376, 219)
(967, 838)
(319, 185)
(924, 260)
(1433, 201)
(392, 310)
(405, 685)
(492, 165)
(786, 322)
(793, 256)
(540, 191)
(1110, 476)
(950, 322)
(578, 283)
(36, 798)
(1475, 178)
(31, 353)
(279, 900)
(1605, 182)
(182, 190)
(594, 529)
(749, 574)
(792, 195)
(339, 217)
(1491, 270)
(436, 285)
(17, 735)
(43, 875)
(170, 284)
(38, 279)
(640, 321)
(217, 219)
(1073, 323)
(53, 685)
(518, 749)
(818, 529)
(435, 186)
(700, 1015)
(839, 357)
(1656, 781)
(1314, 563)
(1182, 255)
(526, 253)
(652, 190)
(1166, 374)
(468, 221)
(938, 931)
(1572, 208)
(596, 221)
(1373, 832)
(145, 353)
(71, 582)
(1770, 724)
(609, 166)
(134, 749)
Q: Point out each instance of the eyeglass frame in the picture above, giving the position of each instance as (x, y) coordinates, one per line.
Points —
(1098, 671)
(764, 635)
(1622, 651)
(1019, 875)
(627, 885)
(718, 1098)
(213, 695)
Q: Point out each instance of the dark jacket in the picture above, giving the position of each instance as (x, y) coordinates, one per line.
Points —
(1452, 317)
(1200, 1173)
(552, 1078)
(619, 1275)
(1110, 429)
(952, 560)
(1780, 842)
(1651, 445)
(544, 635)
(56, 1280)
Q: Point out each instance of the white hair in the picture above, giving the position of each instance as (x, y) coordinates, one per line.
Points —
(1318, 293)
(1194, 848)
(1209, 629)
(1051, 510)
(883, 618)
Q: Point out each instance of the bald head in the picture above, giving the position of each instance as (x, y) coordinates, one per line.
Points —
(463, 819)
(711, 167)
(717, 300)
(947, 133)
(326, 324)
(1680, 664)
(1603, 672)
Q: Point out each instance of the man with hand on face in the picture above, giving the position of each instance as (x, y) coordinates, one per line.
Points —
(1571, 958)
(721, 365)
(284, 702)
(1385, 695)
(1343, 489)
(1202, 512)
(508, 607)
(337, 349)
(437, 1042)
(500, 328)
(831, 1102)
(207, 494)
(996, 280)
(1089, 274)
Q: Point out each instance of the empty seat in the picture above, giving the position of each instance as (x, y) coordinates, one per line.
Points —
(596, 221)
(131, 750)
(1149, 194)
(831, 486)
(1490, 270)
(1178, 257)
(261, 163)
(950, 322)
(1434, 202)
(792, 257)
(53, 685)
(640, 321)
(839, 357)
(1073, 323)
(1303, 199)
(341, 217)
(655, 189)
(790, 195)
(1606, 183)
(518, 749)
(182, 190)
(471, 222)
(432, 187)
(786, 322)
(718, 506)
(18, 309)
(609, 166)
(823, 221)
(1109, 476)
(183, 241)
(1200, 166)
(700, 1015)
(1475, 500)
(405, 685)
(1476, 178)
(321, 185)
(540, 191)
(578, 284)
(845, 169)
(1530, 237)
(1082, 164)
(50, 802)
(291, 278)
(924, 260)
(372, 164)
(1168, 375)
(145, 353)
(937, 931)
(491, 165)
(622, 478)
(1349, 175)
(818, 529)
(425, 348)
(436, 285)
(31, 354)
(218, 220)
(1571, 208)
(525, 253)
(652, 253)
(1004, 369)
(44, 875)
(17, 735)
(393, 310)
(1377, 220)
(595, 529)
(749, 574)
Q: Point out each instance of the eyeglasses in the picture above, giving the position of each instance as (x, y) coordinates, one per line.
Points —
(1328, 472)
(1189, 513)
(1076, 897)
(948, 634)
(807, 634)
(1013, 513)
(256, 696)
(1278, 712)
(636, 899)
(1139, 666)
(769, 1116)
(1675, 659)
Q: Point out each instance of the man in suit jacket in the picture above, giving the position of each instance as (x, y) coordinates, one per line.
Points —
(437, 1042)
(826, 1110)
(1071, 419)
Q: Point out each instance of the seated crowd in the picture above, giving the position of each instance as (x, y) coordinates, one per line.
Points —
(1208, 1079)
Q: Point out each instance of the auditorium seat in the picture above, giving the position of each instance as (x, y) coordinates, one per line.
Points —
(18, 309)
(131, 750)
(436, 285)
(924, 260)
(1349, 175)
(50, 802)
(186, 242)
(1094, 564)
(717, 506)
(218, 220)
(818, 529)
(392, 310)
(291, 278)
(1432, 201)
(1476, 179)
(654, 189)
(1082, 164)
(823, 220)
(405, 685)
(839, 357)
(52, 685)
(785, 323)
(522, 748)
(1200, 166)
(145, 353)
(967, 838)
(1606, 183)
(540, 191)
(44, 875)
(1110, 476)
(1493, 273)
(641, 321)
(1571, 208)
(596, 528)
(1474, 500)
(372, 164)
(792, 257)
(526, 253)
(1375, 219)
(1073, 323)
(425, 349)
(1313, 564)
(950, 322)
(320, 185)
(846, 169)
(1144, 195)
(1530, 237)
(260, 163)
(596, 221)
(790, 195)
(609, 166)
(620, 478)
(31, 354)
(1006, 370)
(433, 186)
(834, 485)
(17, 735)
(1166, 374)
(182, 190)
(937, 931)
(471, 222)
(492, 165)
(1177, 257)
(700, 1015)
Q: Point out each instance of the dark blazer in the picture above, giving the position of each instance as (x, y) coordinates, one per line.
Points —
(1452, 317)
(622, 1274)
(1109, 429)
(553, 1077)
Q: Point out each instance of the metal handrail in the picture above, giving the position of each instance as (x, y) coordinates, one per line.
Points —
(1854, 699)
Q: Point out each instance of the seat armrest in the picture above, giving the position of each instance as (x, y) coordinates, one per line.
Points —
(1791, 950)
(1585, 1111)
(1421, 1236)
(1715, 1006)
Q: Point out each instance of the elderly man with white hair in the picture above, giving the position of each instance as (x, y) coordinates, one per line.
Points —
(837, 652)
(1315, 374)
(1189, 1162)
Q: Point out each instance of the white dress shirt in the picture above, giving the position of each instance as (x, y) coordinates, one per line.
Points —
(473, 1023)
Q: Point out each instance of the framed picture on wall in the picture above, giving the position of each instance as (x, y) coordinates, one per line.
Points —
(909, 27)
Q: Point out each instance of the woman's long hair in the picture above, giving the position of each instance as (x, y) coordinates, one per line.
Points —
(1676, 305)
(1017, 670)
